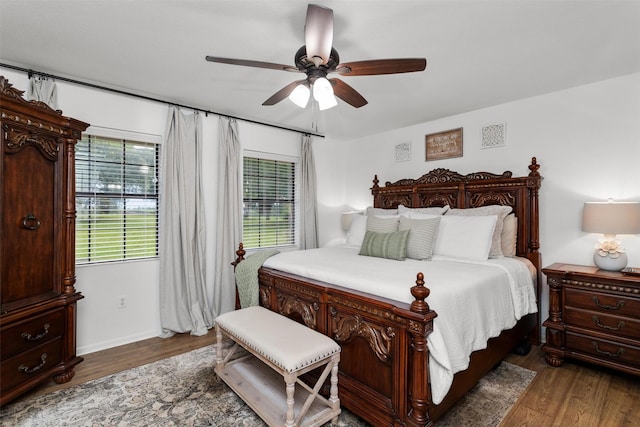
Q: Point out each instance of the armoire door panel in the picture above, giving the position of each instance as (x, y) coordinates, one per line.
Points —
(28, 229)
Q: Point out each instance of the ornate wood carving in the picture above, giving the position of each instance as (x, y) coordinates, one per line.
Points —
(17, 139)
(440, 176)
(492, 198)
(428, 200)
(289, 304)
(346, 327)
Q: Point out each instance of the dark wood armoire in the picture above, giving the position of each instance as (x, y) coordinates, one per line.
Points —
(37, 244)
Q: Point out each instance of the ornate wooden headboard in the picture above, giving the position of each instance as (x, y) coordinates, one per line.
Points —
(442, 187)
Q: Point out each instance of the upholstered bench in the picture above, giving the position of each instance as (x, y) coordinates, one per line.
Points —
(278, 348)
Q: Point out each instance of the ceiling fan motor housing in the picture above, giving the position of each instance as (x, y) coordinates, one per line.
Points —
(313, 72)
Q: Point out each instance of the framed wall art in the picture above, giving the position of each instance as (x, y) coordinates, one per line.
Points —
(443, 145)
(403, 152)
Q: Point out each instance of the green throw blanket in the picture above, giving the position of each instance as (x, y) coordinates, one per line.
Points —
(247, 277)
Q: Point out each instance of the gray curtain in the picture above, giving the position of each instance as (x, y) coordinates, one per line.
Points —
(308, 217)
(42, 89)
(183, 301)
(229, 222)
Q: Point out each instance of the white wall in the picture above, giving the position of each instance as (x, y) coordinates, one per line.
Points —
(586, 139)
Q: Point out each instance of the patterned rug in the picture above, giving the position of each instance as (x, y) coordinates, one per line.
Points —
(184, 391)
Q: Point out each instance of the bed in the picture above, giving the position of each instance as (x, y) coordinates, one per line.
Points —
(385, 372)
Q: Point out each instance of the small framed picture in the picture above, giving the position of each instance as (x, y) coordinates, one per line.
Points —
(403, 152)
(444, 145)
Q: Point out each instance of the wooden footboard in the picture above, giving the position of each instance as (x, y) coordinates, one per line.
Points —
(384, 375)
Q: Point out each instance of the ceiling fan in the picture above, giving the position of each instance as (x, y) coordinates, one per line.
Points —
(317, 59)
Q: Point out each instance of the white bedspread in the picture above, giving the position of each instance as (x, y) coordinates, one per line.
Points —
(474, 300)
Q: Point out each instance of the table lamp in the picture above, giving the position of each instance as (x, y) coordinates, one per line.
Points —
(611, 218)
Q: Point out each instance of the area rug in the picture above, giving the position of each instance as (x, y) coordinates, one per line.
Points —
(185, 391)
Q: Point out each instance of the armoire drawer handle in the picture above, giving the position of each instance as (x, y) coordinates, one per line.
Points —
(27, 336)
(608, 307)
(28, 370)
(618, 353)
(30, 222)
(611, 328)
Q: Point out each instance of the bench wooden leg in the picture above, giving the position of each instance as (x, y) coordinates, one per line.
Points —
(333, 392)
(290, 380)
(219, 357)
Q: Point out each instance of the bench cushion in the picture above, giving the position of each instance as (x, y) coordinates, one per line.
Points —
(284, 342)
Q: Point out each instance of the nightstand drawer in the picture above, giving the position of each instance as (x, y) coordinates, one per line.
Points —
(620, 326)
(27, 365)
(27, 335)
(602, 302)
(603, 349)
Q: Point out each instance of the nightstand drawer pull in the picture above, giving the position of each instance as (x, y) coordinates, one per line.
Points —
(41, 335)
(28, 370)
(618, 353)
(619, 305)
(611, 328)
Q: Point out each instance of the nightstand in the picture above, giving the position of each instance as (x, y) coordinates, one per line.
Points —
(594, 316)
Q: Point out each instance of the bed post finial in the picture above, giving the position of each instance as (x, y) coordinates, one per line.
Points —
(420, 292)
(533, 167)
(375, 182)
(239, 255)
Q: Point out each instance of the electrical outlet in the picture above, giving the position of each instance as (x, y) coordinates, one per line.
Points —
(122, 301)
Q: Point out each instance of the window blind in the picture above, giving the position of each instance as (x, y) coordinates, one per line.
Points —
(269, 205)
(116, 199)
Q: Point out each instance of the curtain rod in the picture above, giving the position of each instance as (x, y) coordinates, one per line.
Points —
(148, 98)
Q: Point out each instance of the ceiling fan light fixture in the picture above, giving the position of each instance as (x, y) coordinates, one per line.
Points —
(323, 93)
(300, 95)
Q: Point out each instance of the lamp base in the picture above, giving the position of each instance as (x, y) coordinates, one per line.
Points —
(608, 263)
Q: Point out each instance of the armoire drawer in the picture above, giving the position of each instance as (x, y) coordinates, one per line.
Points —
(32, 363)
(619, 326)
(24, 336)
(604, 349)
(601, 302)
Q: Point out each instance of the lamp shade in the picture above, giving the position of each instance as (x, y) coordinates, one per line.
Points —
(611, 217)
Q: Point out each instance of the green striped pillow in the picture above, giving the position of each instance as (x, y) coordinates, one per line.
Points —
(385, 245)
(422, 237)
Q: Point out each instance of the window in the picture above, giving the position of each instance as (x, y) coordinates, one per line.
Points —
(269, 202)
(116, 199)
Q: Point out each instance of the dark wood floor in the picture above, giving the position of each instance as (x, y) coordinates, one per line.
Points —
(574, 395)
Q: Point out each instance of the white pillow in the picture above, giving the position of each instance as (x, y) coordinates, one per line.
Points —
(382, 224)
(417, 215)
(358, 229)
(422, 236)
(435, 211)
(381, 211)
(509, 237)
(500, 211)
(467, 237)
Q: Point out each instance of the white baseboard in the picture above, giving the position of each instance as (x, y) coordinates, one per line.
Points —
(115, 343)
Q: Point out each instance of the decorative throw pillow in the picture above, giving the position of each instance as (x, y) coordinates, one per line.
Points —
(382, 224)
(509, 235)
(422, 236)
(500, 211)
(467, 237)
(381, 211)
(385, 245)
(356, 232)
(402, 210)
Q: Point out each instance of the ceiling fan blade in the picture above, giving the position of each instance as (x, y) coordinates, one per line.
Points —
(347, 93)
(282, 93)
(250, 63)
(382, 66)
(318, 33)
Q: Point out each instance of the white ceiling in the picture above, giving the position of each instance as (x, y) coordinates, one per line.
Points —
(479, 53)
